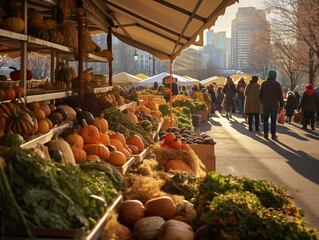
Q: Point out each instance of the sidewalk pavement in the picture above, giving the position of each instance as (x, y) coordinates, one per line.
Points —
(292, 161)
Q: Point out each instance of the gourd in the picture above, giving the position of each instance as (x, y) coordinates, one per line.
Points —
(101, 123)
(14, 24)
(176, 164)
(87, 116)
(79, 154)
(49, 24)
(75, 139)
(89, 133)
(148, 228)
(133, 148)
(131, 211)
(119, 137)
(19, 91)
(56, 155)
(117, 144)
(173, 229)
(117, 158)
(132, 117)
(39, 114)
(11, 139)
(161, 206)
(93, 157)
(146, 125)
(20, 122)
(71, 114)
(186, 210)
(64, 147)
(16, 74)
(43, 126)
(136, 141)
(62, 112)
(100, 150)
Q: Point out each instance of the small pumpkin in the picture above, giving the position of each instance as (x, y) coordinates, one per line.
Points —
(9, 93)
(125, 152)
(151, 106)
(56, 117)
(100, 150)
(119, 137)
(43, 126)
(93, 157)
(169, 137)
(11, 139)
(101, 123)
(173, 229)
(131, 211)
(19, 91)
(79, 154)
(75, 139)
(122, 232)
(117, 158)
(161, 206)
(14, 24)
(87, 75)
(49, 122)
(178, 165)
(176, 144)
(62, 112)
(133, 148)
(104, 138)
(185, 146)
(39, 114)
(136, 141)
(89, 133)
(46, 109)
(33, 105)
(131, 116)
(117, 144)
(148, 227)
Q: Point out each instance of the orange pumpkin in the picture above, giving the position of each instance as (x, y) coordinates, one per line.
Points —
(9, 93)
(117, 158)
(132, 110)
(89, 133)
(49, 122)
(100, 150)
(130, 211)
(136, 141)
(39, 114)
(33, 105)
(2, 122)
(79, 154)
(117, 144)
(162, 206)
(157, 114)
(35, 126)
(93, 157)
(75, 139)
(46, 109)
(104, 138)
(43, 126)
(101, 123)
(151, 106)
(119, 137)
(177, 165)
(185, 146)
(87, 145)
(19, 91)
(125, 152)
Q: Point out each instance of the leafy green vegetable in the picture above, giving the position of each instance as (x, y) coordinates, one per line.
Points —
(119, 123)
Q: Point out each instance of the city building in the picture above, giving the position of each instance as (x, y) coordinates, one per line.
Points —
(247, 24)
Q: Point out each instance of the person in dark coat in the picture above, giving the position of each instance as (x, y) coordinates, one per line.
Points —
(211, 91)
(219, 98)
(310, 105)
(252, 105)
(240, 95)
(270, 95)
(229, 90)
(291, 105)
(296, 92)
(155, 86)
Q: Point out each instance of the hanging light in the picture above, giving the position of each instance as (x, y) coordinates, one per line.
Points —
(135, 55)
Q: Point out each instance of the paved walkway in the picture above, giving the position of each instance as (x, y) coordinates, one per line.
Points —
(291, 162)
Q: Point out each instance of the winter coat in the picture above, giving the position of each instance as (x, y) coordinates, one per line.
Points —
(220, 97)
(230, 91)
(291, 105)
(252, 102)
(241, 88)
(212, 95)
(309, 103)
(270, 95)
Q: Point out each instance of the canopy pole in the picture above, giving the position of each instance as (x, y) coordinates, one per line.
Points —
(109, 47)
(170, 92)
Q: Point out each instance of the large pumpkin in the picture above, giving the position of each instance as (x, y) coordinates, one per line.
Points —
(119, 137)
(101, 123)
(6, 109)
(39, 114)
(43, 126)
(136, 141)
(162, 206)
(117, 158)
(64, 147)
(14, 24)
(148, 227)
(89, 133)
(100, 150)
(75, 139)
(177, 165)
(20, 122)
(117, 144)
(131, 211)
(79, 154)
(104, 138)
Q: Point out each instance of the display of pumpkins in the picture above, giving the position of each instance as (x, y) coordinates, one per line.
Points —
(14, 24)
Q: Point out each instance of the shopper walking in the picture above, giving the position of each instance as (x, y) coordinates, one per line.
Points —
(252, 105)
(220, 99)
(291, 106)
(310, 105)
(229, 90)
(270, 95)
(240, 95)
(211, 91)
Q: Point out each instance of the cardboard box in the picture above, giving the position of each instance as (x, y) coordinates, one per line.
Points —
(206, 154)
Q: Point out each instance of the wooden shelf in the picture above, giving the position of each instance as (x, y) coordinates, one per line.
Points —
(126, 106)
(12, 39)
(126, 166)
(39, 45)
(45, 138)
(102, 89)
(50, 96)
(142, 155)
(94, 58)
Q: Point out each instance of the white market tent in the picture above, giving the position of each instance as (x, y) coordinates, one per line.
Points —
(159, 77)
(125, 79)
(219, 81)
(163, 28)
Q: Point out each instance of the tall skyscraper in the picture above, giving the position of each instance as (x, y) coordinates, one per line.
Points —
(245, 26)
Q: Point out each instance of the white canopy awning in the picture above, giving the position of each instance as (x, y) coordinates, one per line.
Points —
(158, 78)
(125, 79)
(163, 28)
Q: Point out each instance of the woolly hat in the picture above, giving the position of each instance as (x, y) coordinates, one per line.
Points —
(309, 86)
(272, 74)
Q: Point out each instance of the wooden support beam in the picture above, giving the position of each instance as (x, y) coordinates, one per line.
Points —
(109, 47)
(80, 19)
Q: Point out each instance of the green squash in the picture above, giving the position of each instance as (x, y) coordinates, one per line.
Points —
(56, 155)
(11, 139)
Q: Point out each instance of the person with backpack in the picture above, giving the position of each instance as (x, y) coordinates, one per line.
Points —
(240, 95)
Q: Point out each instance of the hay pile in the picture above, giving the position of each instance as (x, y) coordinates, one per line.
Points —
(165, 154)
(146, 183)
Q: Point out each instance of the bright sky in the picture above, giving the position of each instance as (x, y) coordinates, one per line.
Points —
(223, 23)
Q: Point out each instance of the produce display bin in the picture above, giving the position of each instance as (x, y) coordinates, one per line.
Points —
(126, 166)
(206, 154)
(142, 155)
(203, 113)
